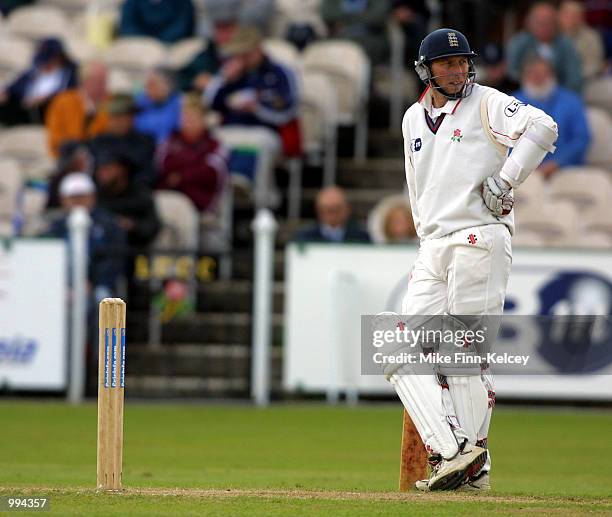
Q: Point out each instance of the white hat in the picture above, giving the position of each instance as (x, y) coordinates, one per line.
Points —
(76, 184)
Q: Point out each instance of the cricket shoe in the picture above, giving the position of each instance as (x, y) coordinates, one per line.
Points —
(450, 474)
(479, 483)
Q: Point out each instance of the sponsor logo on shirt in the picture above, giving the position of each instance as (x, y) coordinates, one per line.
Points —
(415, 145)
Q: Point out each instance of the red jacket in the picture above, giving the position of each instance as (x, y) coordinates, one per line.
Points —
(201, 167)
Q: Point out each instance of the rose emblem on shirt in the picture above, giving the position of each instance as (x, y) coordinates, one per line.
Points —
(457, 136)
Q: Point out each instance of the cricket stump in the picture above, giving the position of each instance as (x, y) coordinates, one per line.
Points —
(413, 458)
(111, 383)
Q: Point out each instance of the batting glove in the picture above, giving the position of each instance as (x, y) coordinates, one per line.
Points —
(497, 195)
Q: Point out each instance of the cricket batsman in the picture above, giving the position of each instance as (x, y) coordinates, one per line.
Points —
(466, 148)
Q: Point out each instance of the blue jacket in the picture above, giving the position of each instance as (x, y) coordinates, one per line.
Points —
(166, 20)
(157, 120)
(276, 91)
(568, 111)
(565, 59)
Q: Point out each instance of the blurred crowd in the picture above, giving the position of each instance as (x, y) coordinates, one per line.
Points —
(116, 137)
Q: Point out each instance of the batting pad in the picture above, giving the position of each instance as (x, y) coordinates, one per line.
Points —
(471, 403)
(421, 395)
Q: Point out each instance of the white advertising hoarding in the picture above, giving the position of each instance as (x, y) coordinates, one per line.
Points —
(324, 282)
(33, 340)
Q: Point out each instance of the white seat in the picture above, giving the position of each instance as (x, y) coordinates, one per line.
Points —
(598, 240)
(600, 150)
(318, 106)
(28, 146)
(303, 12)
(180, 220)
(16, 54)
(284, 53)
(37, 22)
(528, 239)
(119, 81)
(11, 183)
(180, 54)
(554, 222)
(532, 190)
(348, 68)
(34, 203)
(584, 187)
(597, 220)
(136, 55)
(80, 50)
(597, 93)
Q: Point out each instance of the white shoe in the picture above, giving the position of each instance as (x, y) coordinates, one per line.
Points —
(422, 485)
(450, 474)
(479, 483)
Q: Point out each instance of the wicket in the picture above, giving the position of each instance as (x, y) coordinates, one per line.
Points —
(413, 463)
(111, 383)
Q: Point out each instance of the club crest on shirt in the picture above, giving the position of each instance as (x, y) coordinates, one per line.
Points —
(511, 109)
(457, 136)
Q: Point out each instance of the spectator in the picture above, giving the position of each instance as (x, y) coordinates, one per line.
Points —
(74, 156)
(122, 138)
(167, 20)
(391, 221)
(334, 223)
(251, 89)
(6, 6)
(539, 89)
(159, 106)
(26, 99)
(362, 21)
(106, 239)
(495, 69)
(541, 37)
(413, 17)
(192, 161)
(131, 203)
(587, 41)
(77, 114)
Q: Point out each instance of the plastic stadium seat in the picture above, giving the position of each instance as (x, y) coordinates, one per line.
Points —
(16, 54)
(38, 22)
(283, 53)
(120, 81)
(597, 220)
(597, 93)
(597, 240)
(11, 183)
(136, 55)
(33, 206)
(302, 12)
(600, 150)
(181, 53)
(348, 68)
(318, 117)
(79, 49)
(554, 222)
(532, 190)
(528, 239)
(180, 220)
(584, 187)
(28, 146)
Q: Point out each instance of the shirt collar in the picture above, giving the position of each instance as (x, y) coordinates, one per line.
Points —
(426, 100)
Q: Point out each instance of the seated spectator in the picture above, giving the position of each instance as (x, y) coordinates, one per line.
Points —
(121, 138)
(159, 106)
(412, 16)
(26, 99)
(587, 41)
(130, 202)
(362, 21)
(78, 114)
(74, 156)
(495, 69)
(192, 161)
(251, 89)
(167, 20)
(539, 88)
(541, 37)
(106, 239)
(390, 221)
(334, 223)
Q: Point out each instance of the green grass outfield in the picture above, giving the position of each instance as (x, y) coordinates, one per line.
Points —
(295, 460)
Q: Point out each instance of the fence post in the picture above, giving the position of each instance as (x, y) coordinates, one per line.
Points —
(78, 226)
(264, 227)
